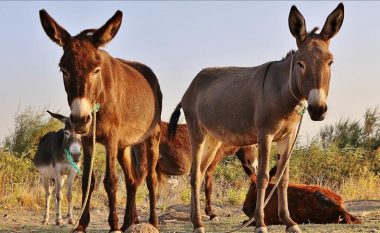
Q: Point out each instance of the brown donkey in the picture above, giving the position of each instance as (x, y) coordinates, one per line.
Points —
(130, 108)
(244, 106)
(175, 160)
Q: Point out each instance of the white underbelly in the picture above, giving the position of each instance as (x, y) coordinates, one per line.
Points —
(62, 169)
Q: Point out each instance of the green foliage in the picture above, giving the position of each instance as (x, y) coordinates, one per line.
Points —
(353, 133)
(330, 166)
(29, 126)
(343, 158)
(236, 196)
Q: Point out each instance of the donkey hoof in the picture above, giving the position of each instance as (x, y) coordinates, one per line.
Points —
(58, 222)
(45, 222)
(199, 230)
(294, 229)
(261, 230)
(115, 231)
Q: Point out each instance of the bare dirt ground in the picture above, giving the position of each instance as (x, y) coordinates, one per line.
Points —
(176, 219)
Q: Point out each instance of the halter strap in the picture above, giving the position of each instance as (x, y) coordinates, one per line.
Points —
(70, 159)
(301, 106)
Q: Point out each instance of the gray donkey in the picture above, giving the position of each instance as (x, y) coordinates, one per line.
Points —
(57, 157)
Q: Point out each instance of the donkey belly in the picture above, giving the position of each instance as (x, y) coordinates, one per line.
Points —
(46, 171)
(224, 105)
(229, 121)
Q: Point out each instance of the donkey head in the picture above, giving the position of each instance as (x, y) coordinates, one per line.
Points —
(81, 65)
(71, 140)
(313, 60)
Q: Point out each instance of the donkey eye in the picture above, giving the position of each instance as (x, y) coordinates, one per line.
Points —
(64, 73)
(301, 64)
(331, 62)
(67, 133)
(96, 71)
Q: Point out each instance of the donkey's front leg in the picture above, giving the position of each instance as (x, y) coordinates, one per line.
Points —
(264, 143)
(58, 197)
(46, 183)
(283, 150)
(110, 183)
(87, 154)
(69, 196)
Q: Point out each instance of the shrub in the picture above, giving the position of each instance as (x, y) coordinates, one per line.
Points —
(29, 126)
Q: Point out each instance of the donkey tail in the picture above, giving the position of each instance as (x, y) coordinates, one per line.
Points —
(173, 123)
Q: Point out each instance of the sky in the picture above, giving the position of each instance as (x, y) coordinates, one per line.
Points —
(179, 38)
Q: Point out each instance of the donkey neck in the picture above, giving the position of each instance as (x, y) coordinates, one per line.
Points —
(282, 80)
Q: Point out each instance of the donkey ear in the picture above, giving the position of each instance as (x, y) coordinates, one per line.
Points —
(108, 31)
(297, 24)
(333, 23)
(56, 33)
(59, 117)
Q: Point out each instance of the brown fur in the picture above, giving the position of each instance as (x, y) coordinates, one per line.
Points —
(307, 204)
(130, 109)
(242, 106)
(175, 159)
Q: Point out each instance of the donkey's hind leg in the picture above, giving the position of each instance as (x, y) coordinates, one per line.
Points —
(203, 149)
(125, 160)
(208, 185)
(46, 183)
(152, 149)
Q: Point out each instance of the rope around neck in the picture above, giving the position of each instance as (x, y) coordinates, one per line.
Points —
(94, 111)
(70, 159)
(300, 109)
(301, 106)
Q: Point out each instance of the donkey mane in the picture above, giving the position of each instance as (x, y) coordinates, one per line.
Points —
(288, 54)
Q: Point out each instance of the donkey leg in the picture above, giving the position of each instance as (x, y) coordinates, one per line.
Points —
(283, 150)
(110, 183)
(87, 153)
(197, 140)
(124, 159)
(69, 196)
(152, 149)
(208, 184)
(264, 143)
(46, 184)
(58, 197)
(209, 150)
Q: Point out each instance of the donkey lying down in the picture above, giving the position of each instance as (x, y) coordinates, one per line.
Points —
(52, 164)
(307, 204)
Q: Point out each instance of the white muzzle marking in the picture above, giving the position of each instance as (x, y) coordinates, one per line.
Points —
(317, 97)
(75, 148)
(80, 107)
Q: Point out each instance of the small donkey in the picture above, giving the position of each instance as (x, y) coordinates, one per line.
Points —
(52, 160)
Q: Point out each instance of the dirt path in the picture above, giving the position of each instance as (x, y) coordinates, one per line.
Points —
(175, 219)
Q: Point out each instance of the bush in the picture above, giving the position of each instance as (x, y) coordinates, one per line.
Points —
(328, 166)
(29, 126)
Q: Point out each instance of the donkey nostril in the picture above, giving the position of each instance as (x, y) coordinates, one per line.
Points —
(325, 109)
(87, 119)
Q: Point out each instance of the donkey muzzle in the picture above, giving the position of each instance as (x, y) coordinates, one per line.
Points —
(81, 124)
(317, 113)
